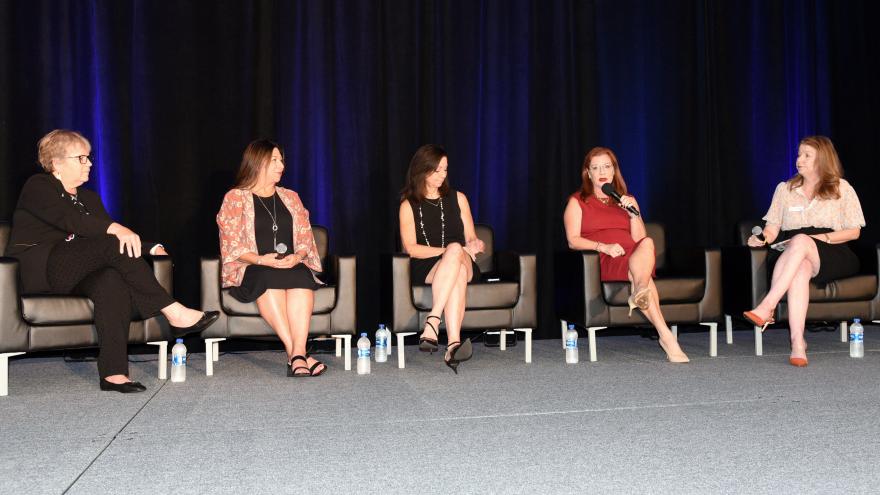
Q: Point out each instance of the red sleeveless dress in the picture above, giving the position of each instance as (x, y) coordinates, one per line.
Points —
(608, 224)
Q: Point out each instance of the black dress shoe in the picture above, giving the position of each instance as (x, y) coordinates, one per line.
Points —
(125, 388)
(207, 319)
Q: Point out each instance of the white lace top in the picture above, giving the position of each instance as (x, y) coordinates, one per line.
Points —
(792, 210)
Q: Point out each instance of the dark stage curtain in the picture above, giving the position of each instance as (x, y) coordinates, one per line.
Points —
(703, 101)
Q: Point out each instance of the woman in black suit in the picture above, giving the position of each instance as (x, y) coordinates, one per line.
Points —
(66, 243)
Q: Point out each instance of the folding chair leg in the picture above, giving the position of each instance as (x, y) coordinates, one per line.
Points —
(713, 338)
(528, 334)
(591, 336)
(163, 358)
(759, 342)
(346, 339)
(401, 359)
(728, 327)
(4, 372)
(844, 331)
(212, 353)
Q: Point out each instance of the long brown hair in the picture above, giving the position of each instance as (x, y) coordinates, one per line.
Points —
(423, 163)
(828, 164)
(255, 157)
(587, 185)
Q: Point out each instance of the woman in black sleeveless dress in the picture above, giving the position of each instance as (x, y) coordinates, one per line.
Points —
(437, 231)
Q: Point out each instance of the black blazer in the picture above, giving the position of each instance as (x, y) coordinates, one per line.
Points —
(45, 215)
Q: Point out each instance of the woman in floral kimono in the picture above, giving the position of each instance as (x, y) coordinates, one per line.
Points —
(268, 252)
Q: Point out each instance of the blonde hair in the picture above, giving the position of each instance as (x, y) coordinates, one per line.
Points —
(828, 164)
(54, 145)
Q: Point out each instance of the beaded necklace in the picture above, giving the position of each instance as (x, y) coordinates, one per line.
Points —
(442, 223)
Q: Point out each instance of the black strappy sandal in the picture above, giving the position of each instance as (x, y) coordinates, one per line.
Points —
(460, 352)
(426, 344)
(292, 370)
(317, 363)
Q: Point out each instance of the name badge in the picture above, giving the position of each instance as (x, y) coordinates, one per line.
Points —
(795, 208)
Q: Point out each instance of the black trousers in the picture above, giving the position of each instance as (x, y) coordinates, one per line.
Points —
(120, 287)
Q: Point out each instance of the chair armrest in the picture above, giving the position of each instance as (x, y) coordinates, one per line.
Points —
(522, 268)
(163, 269)
(404, 316)
(579, 297)
(13, 330)
(343, 317)
(210, 297)
(875, 304)
(758, 265)
(710, 304)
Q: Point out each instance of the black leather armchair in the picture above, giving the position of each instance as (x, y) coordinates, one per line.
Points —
(504, 300)
(43, 322)
(839, 301)
(690, 291)
(333, 315)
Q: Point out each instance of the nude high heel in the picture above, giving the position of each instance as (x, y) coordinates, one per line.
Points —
(676, 356)
(639, 300)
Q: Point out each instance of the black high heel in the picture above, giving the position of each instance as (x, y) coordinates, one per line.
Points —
(461, 352)
(427, 344)
(208, 318)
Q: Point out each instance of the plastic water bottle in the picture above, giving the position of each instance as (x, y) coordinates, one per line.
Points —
(363, 362)
(382, 337)
(571, 345)
(178, 362)
(856, 339)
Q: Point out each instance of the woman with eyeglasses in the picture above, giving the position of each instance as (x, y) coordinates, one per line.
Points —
(66, 243)
(595, 222)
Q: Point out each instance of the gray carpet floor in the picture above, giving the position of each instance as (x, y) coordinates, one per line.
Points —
(629, 423)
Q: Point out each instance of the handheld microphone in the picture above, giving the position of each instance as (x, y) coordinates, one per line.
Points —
(759, 233)
(609, 190)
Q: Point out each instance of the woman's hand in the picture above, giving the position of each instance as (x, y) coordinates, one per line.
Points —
(474, 247)
(129, 242)
(271, 260)
(753, 241)
(627, 201)
(160, 251)
(613, 250)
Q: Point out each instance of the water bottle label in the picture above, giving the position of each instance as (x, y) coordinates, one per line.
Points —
(571, 343)
(856, 337)
(381, 343)
(363, 353)
(178, 360)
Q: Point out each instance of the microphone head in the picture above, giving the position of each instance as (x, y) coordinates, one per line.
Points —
(757, 230)
(608, 189)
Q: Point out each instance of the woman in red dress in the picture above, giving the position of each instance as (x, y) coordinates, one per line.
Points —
(593, 221)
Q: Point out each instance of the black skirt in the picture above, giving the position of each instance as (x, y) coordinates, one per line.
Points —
(836, 261)
(258, 278)
(419, 268)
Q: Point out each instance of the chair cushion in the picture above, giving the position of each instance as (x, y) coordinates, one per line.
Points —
(672, 290)
(858, 288)
(57, 310)
(479, 296)
(325, 300)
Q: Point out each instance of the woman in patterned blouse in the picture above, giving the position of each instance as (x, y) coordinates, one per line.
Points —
(813, 215)
(268, 252)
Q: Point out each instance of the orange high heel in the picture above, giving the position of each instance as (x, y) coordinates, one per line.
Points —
(800, 362)
(758, 321)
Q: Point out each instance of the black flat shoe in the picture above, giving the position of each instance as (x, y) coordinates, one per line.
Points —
(125, 388)
(206, 320)
(458, 352)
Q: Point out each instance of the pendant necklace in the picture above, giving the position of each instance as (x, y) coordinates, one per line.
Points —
(280, 247)
(442, 222)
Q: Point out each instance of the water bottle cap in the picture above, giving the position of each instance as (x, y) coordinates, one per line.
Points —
(179, 341)
(857, 320)
(570, 326)
(382, 326)
(363, 334)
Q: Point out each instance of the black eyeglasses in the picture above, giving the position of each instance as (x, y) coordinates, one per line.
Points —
(83, 159)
